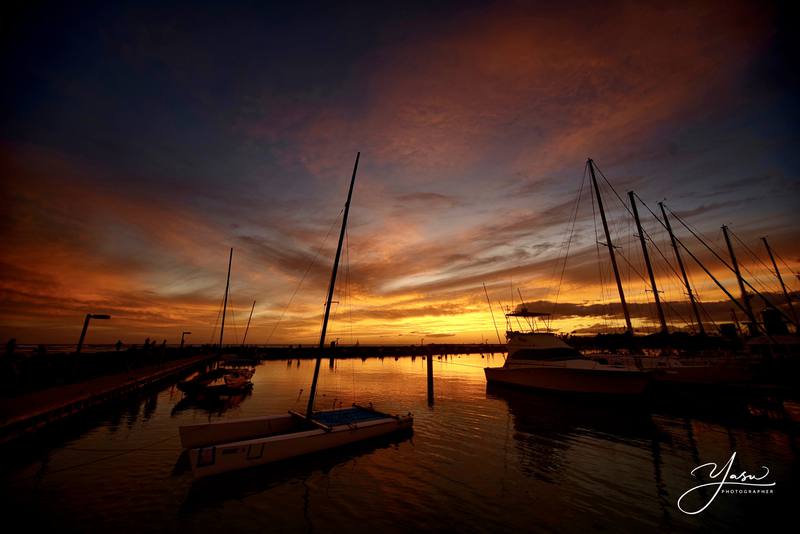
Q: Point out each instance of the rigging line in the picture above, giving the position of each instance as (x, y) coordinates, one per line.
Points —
(652, 241)
(305, 274)
(562, 246)
(632, 268)
(663, 256)
(688, 274)
(612, 189)
(764, 287)
(709, 318)
(496, 331)
(786, 265)
(748, 284)
(753, 255)
(569, 241)
(651, 211)
(698, 235)
(663, 228)
(669, 293)
(718, 283)
(750, 251)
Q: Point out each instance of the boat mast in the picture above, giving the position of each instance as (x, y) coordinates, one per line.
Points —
(780, 279)
(496, 331)
(610, 246)
(247, 328)
(661, 318)
(695, 308)
(331, 287)
(745, 296)
(225, 302)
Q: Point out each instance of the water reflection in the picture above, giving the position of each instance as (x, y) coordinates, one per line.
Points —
(547, 425)
(211, 405)
(482, 460)
(599, 447)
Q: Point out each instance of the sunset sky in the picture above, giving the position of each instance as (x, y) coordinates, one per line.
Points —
(140, 141)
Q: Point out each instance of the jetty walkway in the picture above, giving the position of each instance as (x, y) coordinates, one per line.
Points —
(29, 412)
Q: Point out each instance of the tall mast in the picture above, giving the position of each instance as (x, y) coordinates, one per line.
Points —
(745, 296)
(780, 279)
(247, 328)
(695, 308)
(331, 287)
(225, 302)
(661, 318)
(496, 331)
(610, 246)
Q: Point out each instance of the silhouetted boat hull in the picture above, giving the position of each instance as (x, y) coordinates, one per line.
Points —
(571, 380)
(541, 360)
(221, 447)
(703, 374)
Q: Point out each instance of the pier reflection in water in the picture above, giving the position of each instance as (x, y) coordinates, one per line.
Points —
(479, 460)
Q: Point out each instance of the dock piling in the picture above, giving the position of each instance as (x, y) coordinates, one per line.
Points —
(430, 378)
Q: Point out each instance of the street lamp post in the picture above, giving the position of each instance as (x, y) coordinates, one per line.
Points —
(182, 335)
(86, 326)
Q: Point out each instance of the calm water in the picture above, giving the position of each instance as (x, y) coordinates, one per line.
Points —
(478, 461)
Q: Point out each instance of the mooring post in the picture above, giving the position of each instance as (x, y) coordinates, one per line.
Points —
(430, 378)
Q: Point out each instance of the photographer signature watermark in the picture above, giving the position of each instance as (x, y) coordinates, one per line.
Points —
(726, 482)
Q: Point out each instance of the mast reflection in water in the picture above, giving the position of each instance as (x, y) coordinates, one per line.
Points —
(479, 460)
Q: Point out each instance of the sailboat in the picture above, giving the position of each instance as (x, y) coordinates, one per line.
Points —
(208, 384)
(541, 360)
(224, 446)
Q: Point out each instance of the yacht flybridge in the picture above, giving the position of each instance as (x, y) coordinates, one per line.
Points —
(539, 359)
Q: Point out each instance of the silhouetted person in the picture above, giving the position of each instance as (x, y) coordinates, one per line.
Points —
(41, 350)
(118, 345)
(10, 346)
(147, 344)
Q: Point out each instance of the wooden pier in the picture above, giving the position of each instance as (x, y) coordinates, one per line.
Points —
(28, 413)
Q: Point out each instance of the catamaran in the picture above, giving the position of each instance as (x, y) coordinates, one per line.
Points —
(224, 446)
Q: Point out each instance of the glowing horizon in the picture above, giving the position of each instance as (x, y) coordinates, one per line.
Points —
(135, 156)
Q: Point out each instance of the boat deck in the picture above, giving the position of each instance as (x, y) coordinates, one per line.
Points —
(346, 416)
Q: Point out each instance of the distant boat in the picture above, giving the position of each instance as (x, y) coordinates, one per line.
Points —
(224, 446)
(219, 382)
(237, 378)
(541, 360)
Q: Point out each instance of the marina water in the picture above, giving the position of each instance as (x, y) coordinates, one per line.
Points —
(479, 460)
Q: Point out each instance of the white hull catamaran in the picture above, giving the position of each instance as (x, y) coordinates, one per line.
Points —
(224, 446)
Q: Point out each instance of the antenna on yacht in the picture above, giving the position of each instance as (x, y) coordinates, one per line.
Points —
(489, 302)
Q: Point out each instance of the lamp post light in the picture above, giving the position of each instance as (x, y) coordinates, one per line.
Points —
(182, 335)
(89, 316)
